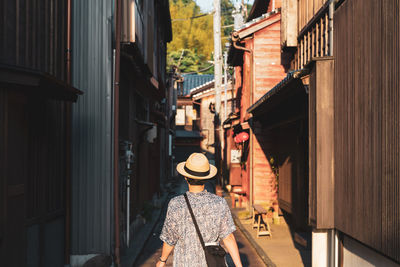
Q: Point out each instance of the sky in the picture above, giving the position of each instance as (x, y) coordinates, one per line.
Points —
(207, 5)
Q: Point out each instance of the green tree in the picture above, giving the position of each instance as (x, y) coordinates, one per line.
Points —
(193, 34)
(226, 19)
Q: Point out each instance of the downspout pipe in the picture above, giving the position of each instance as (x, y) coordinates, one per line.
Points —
(235, 41)
(330, 17)
(117, 16)
(68, 113)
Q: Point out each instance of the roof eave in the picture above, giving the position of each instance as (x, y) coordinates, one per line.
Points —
(291, 76)
(38, 83)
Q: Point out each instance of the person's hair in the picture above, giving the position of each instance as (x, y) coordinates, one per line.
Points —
(195, 181)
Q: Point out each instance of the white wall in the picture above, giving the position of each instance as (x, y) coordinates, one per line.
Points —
(357, 255)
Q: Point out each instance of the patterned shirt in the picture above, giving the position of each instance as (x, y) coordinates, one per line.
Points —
(213, 217)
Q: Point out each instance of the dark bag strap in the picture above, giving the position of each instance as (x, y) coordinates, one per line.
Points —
(195, 223)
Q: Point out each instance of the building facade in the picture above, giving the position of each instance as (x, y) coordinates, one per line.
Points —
(256, 56)
(121, 128)
(75, 177)
(35, 133)
(332, 119)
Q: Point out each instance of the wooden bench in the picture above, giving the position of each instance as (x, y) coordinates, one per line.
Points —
(258, 221)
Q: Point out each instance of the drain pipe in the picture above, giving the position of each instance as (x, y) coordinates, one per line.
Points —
(330, 17)
(235, 40)
(117, 16)
(68, 111)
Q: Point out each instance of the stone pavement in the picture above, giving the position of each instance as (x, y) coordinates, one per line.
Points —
(280, 250)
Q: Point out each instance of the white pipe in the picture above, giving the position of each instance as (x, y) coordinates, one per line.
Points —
(128, 186)
(226, 84)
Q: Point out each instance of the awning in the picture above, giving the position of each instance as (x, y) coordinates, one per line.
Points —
(37, 83)
(188, 134)
(284, 89)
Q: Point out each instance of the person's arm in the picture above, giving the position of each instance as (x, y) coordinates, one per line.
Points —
(166, 250)
(231, 246)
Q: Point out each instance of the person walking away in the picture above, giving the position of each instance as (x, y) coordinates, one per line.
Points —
(210, 211)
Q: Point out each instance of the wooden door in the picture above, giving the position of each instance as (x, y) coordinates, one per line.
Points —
(14, 138)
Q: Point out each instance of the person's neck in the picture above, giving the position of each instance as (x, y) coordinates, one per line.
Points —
(196, 188)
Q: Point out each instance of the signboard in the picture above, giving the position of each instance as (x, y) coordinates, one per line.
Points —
(180, 117)
(236, 154)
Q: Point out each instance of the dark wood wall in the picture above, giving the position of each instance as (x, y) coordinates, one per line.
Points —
(32, 179)
(367, 123)
(33, 35)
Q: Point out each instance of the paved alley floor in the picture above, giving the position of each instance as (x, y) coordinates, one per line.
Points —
(152, 249)
(280, 249)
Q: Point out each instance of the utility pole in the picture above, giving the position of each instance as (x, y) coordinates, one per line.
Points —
(218, 135)
(226, 81)
(244, 10)
(217, 56)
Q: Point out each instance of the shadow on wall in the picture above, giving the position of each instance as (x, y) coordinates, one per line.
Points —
(283, 137)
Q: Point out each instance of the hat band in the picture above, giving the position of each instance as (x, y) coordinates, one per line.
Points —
(200, 174)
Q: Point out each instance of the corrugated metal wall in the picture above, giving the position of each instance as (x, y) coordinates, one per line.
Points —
(92, 213)
(367, 128)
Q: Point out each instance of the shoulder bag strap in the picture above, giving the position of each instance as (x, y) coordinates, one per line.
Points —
(194, 221)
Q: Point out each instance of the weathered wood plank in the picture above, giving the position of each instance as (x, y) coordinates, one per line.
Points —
(367, 200)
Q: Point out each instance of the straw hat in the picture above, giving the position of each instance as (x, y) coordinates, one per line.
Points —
(197, 167)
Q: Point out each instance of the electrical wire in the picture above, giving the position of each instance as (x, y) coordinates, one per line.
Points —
(199, 16)
(202, 70)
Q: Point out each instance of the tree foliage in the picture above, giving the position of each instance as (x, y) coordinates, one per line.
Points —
(193, 44)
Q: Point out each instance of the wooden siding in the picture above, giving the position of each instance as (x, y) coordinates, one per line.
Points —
(321, 147)
(307, 9)
(312, 153)
(289, 22)
(33, 181)
(283, 136)
(268, 70)
(367, 129)
(265, 190)
(33, 35)
(268, 66)
(287, 144)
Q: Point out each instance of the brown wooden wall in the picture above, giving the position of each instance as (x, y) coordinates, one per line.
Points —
(321, 144)
(33, 35)
(367, 128)
(306, 10)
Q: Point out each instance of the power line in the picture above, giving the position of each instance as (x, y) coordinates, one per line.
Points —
(199, 16)
(195, 17)
(202, 70)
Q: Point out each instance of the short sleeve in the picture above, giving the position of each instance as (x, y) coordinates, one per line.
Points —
(169, 233)
(227, 225)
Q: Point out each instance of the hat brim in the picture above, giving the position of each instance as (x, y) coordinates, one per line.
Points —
(181, 169)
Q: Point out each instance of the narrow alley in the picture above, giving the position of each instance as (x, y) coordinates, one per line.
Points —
(290, 107)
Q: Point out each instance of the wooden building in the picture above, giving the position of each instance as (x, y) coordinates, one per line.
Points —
(256, 55)
(203, 98)
(366, 131)
(344, 61)
(35, 134)
(144, 115)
